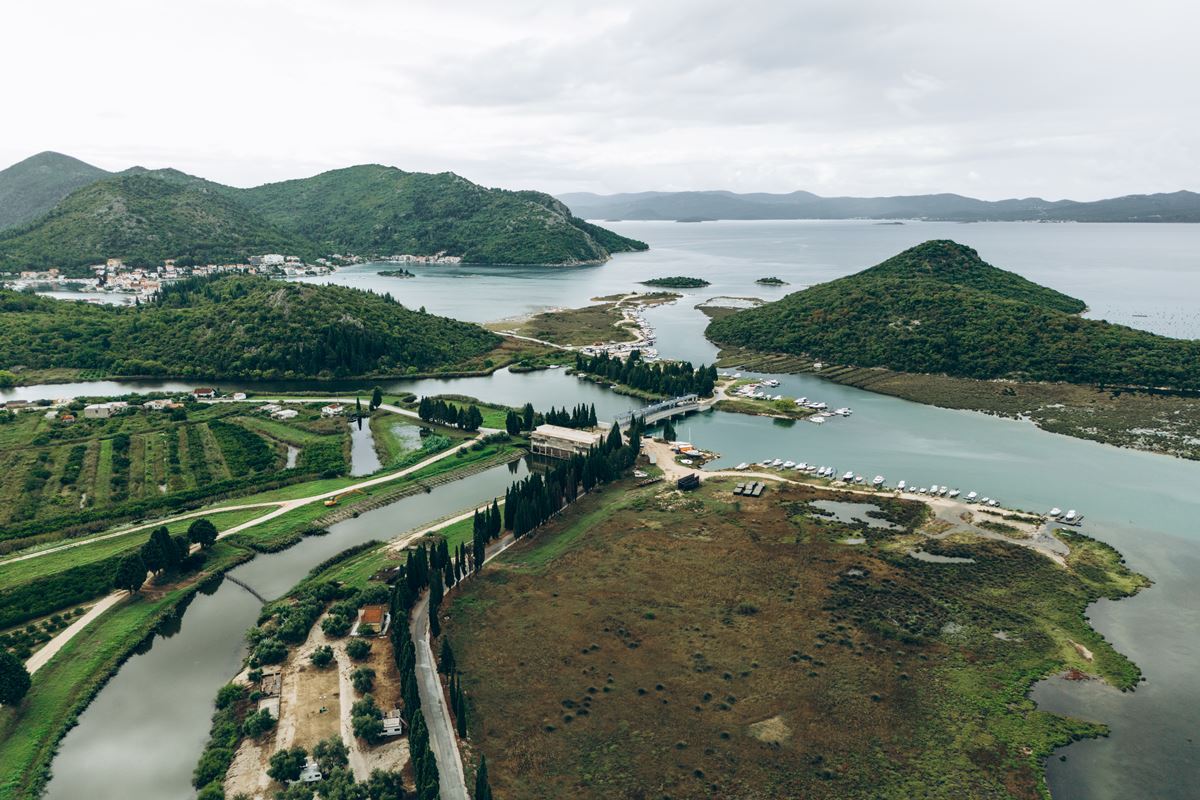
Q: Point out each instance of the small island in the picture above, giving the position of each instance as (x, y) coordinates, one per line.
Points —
(396, 273)
(677, 282)
(772, 281)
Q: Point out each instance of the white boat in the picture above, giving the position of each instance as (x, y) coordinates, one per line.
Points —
(922, 490)
(993, 503)
(849, 476)
(942, 491)
(954, 493)
(971, 497)
(1056, 512)
(858, 479)
(818, 406)
(737, 375)
(801, 467)
(766, 462)
(770, 382)
(843, 412)
(986, 500)
(801, 401)
(933, 489)
(777, 397)
(789, 464)
(877, 480)
(1070, 515)
(901, 485)
(742, 465)
(776, 462)
(817, 419)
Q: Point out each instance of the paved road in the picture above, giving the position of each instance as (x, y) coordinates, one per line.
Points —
(41, 657)
(433, 706)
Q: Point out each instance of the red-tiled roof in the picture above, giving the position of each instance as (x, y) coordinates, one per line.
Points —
(373, 615)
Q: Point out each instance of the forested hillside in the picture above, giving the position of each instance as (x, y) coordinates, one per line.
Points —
(938, 308)
(236, 326)
(145, 216)
(32, 187)
(143, 219)
(377, 209)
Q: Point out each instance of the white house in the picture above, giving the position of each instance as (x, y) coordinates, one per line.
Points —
(104, 410)
(332, 410)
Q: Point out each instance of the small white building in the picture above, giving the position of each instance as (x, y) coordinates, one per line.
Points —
(332, 410)
(204, 392)
(285, 413)
(239, 396)
(273, 259)
(393, 724)
(556, 441)
(104, 410)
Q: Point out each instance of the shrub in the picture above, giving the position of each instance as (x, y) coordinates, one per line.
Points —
(322, 657)
(258, 723)
(358, 649)
(229, 694)
(363, 679)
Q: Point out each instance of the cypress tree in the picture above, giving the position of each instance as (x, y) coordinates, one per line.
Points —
(483, 790)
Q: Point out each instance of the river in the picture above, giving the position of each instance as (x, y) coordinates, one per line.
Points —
(140, 738)
(1146, 505)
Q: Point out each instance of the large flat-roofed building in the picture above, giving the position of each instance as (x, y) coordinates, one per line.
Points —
(556, 441)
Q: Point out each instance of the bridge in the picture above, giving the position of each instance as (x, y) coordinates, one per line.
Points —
(656, 412)
(248, 588)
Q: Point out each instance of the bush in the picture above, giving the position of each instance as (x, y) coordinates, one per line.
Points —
(358, 649)
(286, 765)
(363, 679)
(322, 657)
(335, 626)
(270, 651)
(229, 694)
(258, 723)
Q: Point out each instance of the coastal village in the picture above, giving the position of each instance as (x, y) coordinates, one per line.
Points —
(116, 277)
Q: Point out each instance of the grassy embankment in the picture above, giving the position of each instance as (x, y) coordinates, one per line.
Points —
(785, 664)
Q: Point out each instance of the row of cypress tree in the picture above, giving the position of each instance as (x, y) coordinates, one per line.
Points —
(432, 409)
(671, 378)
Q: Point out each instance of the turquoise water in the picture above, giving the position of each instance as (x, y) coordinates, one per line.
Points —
(1144, 504)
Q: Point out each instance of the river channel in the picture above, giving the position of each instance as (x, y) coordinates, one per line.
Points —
(141, 736)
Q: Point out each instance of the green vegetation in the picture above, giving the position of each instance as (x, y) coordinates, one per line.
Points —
(659, 378)
(144, 217)
(747, 672)
(237, 326)
(938, 308)
(677, 282)
(32, 187)
(575, 326)
(772, 281)
(71, 478)
(396, 273)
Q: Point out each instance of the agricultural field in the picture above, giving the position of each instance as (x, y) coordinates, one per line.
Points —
(706, 645)
(56, 474)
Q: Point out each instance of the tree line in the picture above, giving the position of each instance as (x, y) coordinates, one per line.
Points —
(432, 409)
(669, 378)
(163, 552)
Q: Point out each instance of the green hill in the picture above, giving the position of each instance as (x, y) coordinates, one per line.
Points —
(382, 210)
(938, 308)
(955, 264)
(145, 216)
(143, 219)
(32, 187)
(236, 326)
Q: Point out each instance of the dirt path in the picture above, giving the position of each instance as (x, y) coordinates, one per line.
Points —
(43, 656)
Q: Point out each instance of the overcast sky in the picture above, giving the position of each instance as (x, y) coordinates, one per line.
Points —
(1056, 98)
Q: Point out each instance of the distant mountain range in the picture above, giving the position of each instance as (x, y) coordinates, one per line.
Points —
(58, 211)
(696, 206)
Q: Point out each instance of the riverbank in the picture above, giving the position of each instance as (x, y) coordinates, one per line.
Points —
(1158, 422)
